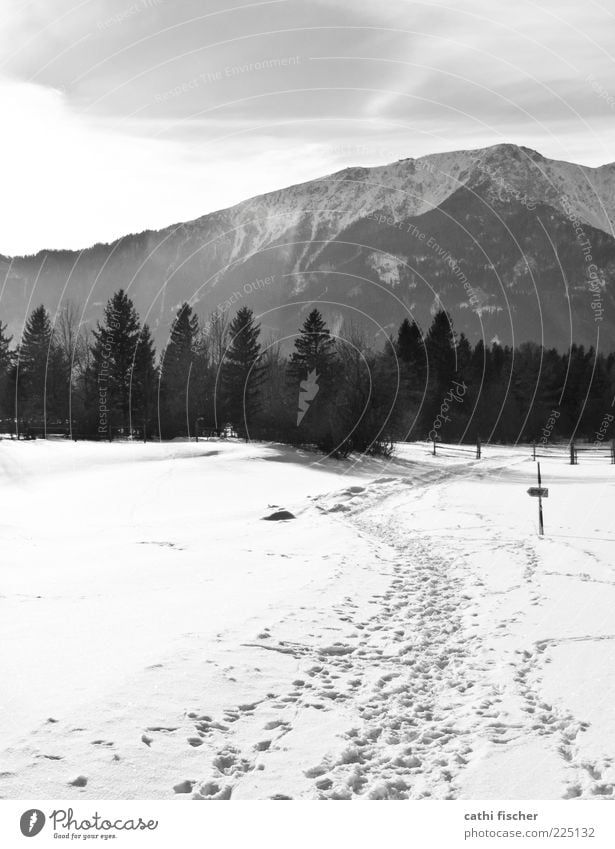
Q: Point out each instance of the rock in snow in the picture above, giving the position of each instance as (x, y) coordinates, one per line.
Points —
(279, 516)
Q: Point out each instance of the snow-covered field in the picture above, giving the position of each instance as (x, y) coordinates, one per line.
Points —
(408, 635)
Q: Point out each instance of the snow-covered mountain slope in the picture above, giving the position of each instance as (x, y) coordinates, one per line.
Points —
(412, 187)
(501, 223)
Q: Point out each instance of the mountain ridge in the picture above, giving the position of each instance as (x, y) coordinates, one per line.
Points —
(346, 170)
(302, 236)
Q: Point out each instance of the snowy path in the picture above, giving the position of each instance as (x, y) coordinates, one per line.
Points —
(524, 647)
(405, 637)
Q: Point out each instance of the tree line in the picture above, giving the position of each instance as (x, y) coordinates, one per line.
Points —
(336, 393)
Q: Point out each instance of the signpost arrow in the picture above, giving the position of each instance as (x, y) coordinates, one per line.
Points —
(539, 492)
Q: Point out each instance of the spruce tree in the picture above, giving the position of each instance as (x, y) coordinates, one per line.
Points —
(440, 345)
(483, 397)
(410, 350)
(176, 410)
(40, 376)
(113, 361)
(314, 349)
(441, 367)
(409, 346)
(316, 381)
(144, 384)
(241, 374)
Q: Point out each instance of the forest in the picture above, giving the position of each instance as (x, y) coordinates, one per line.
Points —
(333, 392)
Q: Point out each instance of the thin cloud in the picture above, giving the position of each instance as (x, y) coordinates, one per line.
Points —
(138, 114)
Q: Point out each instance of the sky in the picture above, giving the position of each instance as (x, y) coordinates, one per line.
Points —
(124, 115)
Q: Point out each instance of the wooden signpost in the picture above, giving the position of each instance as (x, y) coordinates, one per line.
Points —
(539, 492)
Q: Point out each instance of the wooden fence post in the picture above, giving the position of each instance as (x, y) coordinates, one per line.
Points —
(541, 525)
(573, 457)
(478, 448)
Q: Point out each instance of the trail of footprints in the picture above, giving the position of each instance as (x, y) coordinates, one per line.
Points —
(548, 720)
(418, 679)
(394, 666)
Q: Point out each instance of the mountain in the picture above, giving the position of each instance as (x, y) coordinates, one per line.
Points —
(516, 247)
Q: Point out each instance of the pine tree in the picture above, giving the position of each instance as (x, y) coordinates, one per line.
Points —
(113, 361)
(314, 349)
(481, 398)
(31, 370)
(410, 346)
(40, 374)
(441, 366)
(144, 383)
(524, 390)
(598, 399)
(440, 345)
(316, 381)
(411, 355)
(177, 413)
(241, 374)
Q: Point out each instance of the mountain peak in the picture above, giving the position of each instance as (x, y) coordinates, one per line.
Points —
(380, 241)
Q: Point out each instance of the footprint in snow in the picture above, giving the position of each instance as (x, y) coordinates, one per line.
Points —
(184, 786)
(211, 790)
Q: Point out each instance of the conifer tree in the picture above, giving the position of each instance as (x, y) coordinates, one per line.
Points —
(144, 384)
(113, 362)
(315, 374)
(177, 400)
(409, 346)
(314, 349)
(441, 366)
(411, 353)
(440, 345)
(40, 376)
(32, 366)
(241, 374)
